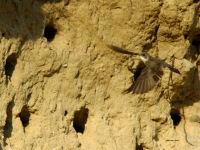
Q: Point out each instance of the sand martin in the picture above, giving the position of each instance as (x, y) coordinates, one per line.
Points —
(150, 75)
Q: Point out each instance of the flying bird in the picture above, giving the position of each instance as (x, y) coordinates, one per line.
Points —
(150, 75)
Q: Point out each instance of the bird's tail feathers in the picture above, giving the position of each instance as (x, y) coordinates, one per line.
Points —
(175, 70)
(167, 66)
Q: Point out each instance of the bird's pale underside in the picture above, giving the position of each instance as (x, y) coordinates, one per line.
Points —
(150, 75)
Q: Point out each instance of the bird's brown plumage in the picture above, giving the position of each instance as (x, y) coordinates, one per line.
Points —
(150, 75)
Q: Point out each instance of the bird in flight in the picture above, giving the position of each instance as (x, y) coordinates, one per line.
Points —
(150, 75)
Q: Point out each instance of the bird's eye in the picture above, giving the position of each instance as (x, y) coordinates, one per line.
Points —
(143, 54)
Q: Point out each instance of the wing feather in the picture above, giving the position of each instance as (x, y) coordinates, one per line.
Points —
(146, 81)
(136, 86)
(146, 85)
(141, 89)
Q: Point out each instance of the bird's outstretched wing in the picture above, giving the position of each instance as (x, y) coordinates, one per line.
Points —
(146, 81)
(120, 50)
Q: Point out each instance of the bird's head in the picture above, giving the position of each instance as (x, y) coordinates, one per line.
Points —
(144, 56)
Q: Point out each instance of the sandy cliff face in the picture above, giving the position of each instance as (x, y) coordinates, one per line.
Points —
(61, 86)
